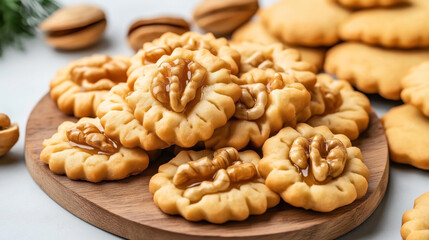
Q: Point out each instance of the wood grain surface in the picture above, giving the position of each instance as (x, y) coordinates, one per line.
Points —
(125, 207)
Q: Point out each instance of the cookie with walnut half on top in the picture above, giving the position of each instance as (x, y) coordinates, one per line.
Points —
(79, 87)
(216, 186)
(313, 168)
(83, 152)
(179, 100)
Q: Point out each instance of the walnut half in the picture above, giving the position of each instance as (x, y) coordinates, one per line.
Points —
(205, 176)
(9, 134)
(327, 157)
(178, 83)
(87, 134)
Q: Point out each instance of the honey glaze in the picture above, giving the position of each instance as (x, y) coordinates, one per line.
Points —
(93, 151)
(308, 177)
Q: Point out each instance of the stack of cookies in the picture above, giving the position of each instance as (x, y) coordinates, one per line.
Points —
(253, 124)
(384, 50)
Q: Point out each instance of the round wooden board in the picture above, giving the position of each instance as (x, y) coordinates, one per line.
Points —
(125, 207)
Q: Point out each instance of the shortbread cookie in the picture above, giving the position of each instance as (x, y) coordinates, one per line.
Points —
(415, 225)
(369, 3)
(406, 131)
(402, 26)
(313, 168)
(373, 69)
(79, 87)
(305, 22)
(346, 111)
(269, 100)
(255, 32)
(215, 186)
(179, 100)
(416, 88)
(152, 51)
(82, 151)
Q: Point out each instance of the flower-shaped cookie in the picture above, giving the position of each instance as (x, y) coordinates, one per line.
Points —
(82, 151)
(275, 56)
(152, 51)
(415, 224)
(313, 168)
(269, 100)
(213, 186)
(79, 87)
(179, 100)
(342, 109)
(416, 88)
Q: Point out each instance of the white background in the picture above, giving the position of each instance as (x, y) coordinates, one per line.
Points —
(26, 212)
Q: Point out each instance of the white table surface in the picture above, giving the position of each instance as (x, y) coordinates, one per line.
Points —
(26, 212)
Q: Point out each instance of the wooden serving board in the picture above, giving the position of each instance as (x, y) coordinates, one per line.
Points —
(125, 207)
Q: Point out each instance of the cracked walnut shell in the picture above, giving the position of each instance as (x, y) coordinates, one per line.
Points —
(179, 100)
(214, 186)
(9, 134)
(313, 168)
(79, 87)
(82, 151)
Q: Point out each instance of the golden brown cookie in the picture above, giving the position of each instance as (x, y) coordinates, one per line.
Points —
(305, 22)
(255, 32)
(406, 131)
(402, 26)
(179, 100)
(269, 100)
(369, 3)
(215, 186)
(346, 111)
(313, 168)
(372, 69)
(82, 151)
(415, 225)
(276, 57)
(79, 87)
(152, 51)
(416, 88)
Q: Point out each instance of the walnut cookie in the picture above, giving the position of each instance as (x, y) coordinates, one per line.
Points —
(79, 87)
(343, 110)
(179, 100)
(415, 225)
(152, 51)
(82, 151)
(269, 100)
(313, 168)
(272, 95)
(214, 186)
